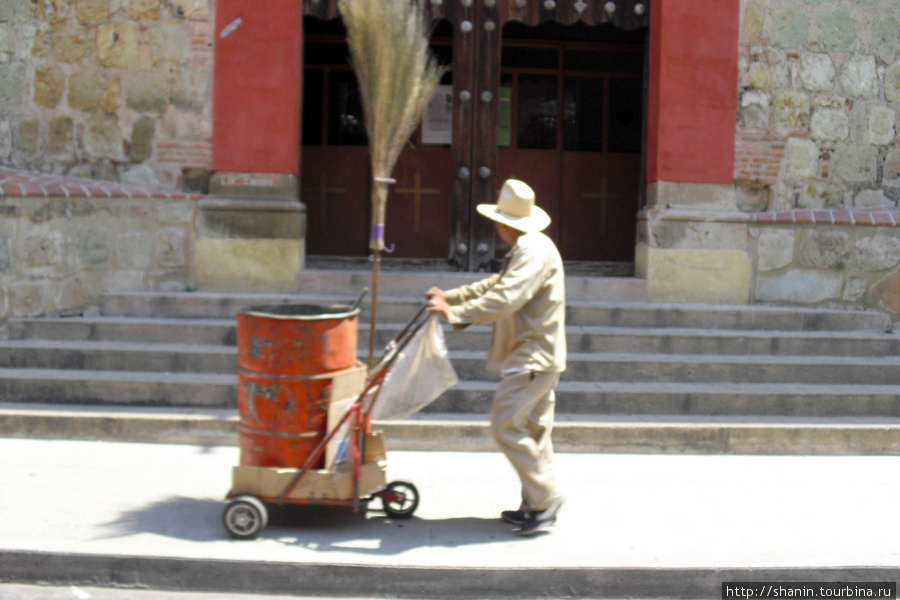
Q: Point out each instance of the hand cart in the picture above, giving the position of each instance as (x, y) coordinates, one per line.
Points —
(356, 474)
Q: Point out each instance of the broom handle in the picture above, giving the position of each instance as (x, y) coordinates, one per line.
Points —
(376, 276)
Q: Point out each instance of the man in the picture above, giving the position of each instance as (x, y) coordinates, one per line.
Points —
(526, 303)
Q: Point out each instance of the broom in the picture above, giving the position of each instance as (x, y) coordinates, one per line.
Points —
(397, 75)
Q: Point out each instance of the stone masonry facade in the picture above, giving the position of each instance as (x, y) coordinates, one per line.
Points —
(816, 150)
(112, 90)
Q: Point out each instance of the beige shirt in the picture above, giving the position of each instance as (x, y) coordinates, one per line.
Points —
(526, 301)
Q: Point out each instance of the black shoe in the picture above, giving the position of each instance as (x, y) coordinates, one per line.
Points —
(516, 517)
(540, 521)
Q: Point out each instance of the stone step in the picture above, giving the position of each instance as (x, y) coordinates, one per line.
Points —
(469, 365)
(583, 339)
(450, 432)
(579, 312)
(471, 397)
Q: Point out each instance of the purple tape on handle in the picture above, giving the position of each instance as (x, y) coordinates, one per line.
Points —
(378, 233)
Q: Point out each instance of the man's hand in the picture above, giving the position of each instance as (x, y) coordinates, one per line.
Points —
(437, 303)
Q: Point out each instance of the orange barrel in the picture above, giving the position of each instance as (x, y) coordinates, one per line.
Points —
(288, 356)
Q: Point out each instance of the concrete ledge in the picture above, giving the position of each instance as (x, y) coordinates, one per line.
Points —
(334, 580)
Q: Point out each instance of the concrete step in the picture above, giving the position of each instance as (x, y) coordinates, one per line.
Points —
(583, 339)
(191, 390)
(469, 365)
(451, 432)
(579, 312)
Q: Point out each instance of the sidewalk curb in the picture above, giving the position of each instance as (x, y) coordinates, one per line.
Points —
(179, 574)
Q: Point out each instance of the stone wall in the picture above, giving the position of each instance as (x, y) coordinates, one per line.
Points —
(840, 258)
(116, 90)
(819, 97)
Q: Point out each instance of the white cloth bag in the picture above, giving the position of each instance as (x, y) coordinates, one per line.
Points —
(420, 373)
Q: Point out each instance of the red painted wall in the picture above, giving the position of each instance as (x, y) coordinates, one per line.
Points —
(692, 104)
(258, 86)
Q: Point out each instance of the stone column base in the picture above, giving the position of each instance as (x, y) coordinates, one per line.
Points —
(249, 245)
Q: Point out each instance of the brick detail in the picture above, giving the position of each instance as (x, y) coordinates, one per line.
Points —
(758, 154)
(879, 217)
(14, 182)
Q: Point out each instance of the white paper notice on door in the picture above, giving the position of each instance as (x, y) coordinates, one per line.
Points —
(437, 120)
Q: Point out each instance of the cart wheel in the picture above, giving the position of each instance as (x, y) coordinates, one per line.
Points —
(400, 499)
(245, 517)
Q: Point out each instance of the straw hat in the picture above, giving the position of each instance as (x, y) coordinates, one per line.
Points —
(515, 207)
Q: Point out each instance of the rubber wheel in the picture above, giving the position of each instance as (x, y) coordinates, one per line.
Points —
(244, 518)
(400, 499)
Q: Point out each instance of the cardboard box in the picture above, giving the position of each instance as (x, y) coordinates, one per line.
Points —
(319, 484)
(346, 387)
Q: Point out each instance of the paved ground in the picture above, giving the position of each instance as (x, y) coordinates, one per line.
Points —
(148, 515)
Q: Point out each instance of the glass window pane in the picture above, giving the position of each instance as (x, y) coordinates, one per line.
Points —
(583, 114)
(529, 57)
(313, 80)
(537, 112)
(626, 110)
(345, 116)
(592, 61)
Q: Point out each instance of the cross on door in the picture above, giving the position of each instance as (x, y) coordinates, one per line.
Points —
(322, 192)
(417, 192)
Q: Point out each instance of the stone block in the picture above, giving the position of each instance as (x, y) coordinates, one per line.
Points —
(768, 69)
(753, 26)
(886, 292)
(71, 297)
(818, 193)
(142, 133)
(792, 109)
(824, 249)
(683, 275)
(837, 31)
(799, 286)
(6, 143)
(103, 138)
(830, 124)
(881, 121)
(775, 249)
(891, 169)
(268, 265)
(856, 163)
(42, 249)
(92, 12)
(190, 89)
(118, 44)
(877, 252)
(69, 41)
(817, 72)
(143, 9)
(194, 9)
(802, 158)
(29, 299)
(174, 213)
(790, 28)
(15, 10)
(170, 41)
(134, 250)
(885, 41)
(86, 90)
(147, 91)
(872, 199)
(859, 77)
(12, 92)
(112, 96)
(60, 136)
(5, 253)
(855, 289)
(92, 244)
(49, 85)
(171, 247)
(690, 195)
(892, 82)
(142, 176)
(27, 140)
(753, 196)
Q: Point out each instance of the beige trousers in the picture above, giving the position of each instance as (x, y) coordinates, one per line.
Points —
(521, 422)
